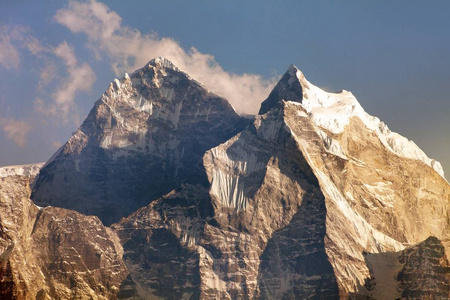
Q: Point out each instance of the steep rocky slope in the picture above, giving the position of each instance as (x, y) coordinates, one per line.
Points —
(54, 253)
(144, 137)
(293, 208)
(312, 199)
(421, 271)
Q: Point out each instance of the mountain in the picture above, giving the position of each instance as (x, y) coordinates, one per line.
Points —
(51, 252)
(311, 199)
(21, 170)
(299, 205)
(145, 136)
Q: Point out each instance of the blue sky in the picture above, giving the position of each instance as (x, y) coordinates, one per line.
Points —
(58, 57)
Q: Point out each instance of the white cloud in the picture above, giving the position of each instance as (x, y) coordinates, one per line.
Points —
(9, 56)
(65, 52)
(15, 130)
(80, 78)
(128, 49)
(14, 38)
(48, 73)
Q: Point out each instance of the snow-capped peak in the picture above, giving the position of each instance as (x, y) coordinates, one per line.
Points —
(290, 87)
(28, 170)
(295, 72)
(162, 62)
(333, 112)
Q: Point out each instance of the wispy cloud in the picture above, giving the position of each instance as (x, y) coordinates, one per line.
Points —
(80, 78)
(128, 49)
(15, 130)
(12, 40)
(48, 73)
(56, 144)
(9, 55)
(73, 78)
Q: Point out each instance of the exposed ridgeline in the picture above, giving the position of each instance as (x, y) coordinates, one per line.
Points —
(51, 252)
(312, 199)
(144, 137)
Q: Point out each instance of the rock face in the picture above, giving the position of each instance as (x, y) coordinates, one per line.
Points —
(54, 253)
(145, 136)
(312, 199)
(426, 271)
(293, 203)
(421, 271)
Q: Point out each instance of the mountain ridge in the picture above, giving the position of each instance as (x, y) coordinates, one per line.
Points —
(312, 198)
(157, 122)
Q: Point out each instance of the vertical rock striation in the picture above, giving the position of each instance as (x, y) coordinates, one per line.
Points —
(313, 199)
(144, 137)
(54, 253)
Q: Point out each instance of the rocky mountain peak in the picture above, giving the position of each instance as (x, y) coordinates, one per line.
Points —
(315, 199)
(162, 62)
(149, 129)
(158, 67)
(291, 87)
(333, 112)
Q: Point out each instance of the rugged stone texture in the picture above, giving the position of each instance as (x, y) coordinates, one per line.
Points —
(426, 271)
(253, 239)
(371, 204)
(313, 199)
(290, 87)
(54, 253)
(23, 170)
(144, 137)
(421, 271)
(294, 208)
(159, 244)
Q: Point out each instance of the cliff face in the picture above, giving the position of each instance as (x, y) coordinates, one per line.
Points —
(54, 253)
(227, 227)
(295, 204)
(145, 136)
(312, 199)
(418, 272)
(294, 235)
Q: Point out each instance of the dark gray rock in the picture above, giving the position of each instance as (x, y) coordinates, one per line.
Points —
(144, 137)
(312, 199)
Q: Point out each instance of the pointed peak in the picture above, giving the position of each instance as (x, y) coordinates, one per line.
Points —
(295, 72)
(290, 87)
(292, 68)
(162, 62)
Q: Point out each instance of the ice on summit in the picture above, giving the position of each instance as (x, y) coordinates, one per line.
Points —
(333, 111)
(21, 170)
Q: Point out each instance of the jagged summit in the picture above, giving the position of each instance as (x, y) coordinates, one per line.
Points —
(312, 199)
(290, 87)
(332, 112)
(162, 62)
(150, 130)
(156, 68)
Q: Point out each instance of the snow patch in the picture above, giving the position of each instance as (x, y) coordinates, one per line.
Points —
(106, 141)
(331, 145)
(228, 189)
(77, 165)
(21, 170)
(365, 233)
(167, 93)
(333, 111)
(382, 192)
